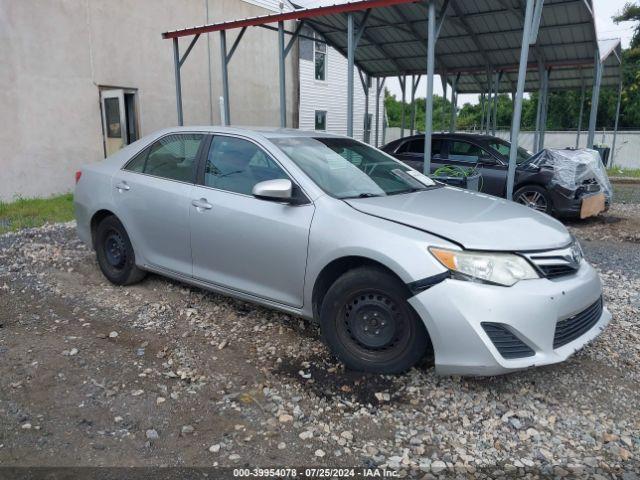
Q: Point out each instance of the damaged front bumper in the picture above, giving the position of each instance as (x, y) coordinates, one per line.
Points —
(456, 314)
(568, 203)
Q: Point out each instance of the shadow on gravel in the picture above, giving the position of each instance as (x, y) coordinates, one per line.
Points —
(330, 380)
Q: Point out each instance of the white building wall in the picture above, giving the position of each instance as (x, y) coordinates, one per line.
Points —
(273, 5)
(331, 95)
(56, 55)
(627, 143)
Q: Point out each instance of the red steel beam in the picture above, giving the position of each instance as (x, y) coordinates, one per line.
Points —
(281, 17)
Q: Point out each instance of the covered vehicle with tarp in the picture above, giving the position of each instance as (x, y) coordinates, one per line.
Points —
(578, 180)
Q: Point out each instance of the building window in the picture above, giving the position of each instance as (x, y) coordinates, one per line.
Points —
(320, 59)
(321, 120)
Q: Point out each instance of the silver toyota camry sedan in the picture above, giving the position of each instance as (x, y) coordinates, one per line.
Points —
(391, 264)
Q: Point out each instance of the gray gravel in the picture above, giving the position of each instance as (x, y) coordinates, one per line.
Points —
(194, 378)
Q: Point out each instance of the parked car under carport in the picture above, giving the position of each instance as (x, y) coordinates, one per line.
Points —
(534, 185)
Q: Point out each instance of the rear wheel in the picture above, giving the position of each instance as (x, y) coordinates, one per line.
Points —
(534, 197)
(115, 254)
(368, 324)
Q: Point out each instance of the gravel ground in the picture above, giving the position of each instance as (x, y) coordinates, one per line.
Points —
(161, 374)
(626, 192)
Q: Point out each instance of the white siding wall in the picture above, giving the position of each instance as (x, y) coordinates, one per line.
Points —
(331, 95)
(271, 4)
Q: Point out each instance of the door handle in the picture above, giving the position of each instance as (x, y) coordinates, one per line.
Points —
(202, 204)
(122, 186)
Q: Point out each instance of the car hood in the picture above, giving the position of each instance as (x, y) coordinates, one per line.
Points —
(474, 220)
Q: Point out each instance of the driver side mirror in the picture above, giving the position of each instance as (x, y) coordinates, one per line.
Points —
(278, 190)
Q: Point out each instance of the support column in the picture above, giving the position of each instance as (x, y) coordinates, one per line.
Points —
(379, 88)
(281, 72)
(454, 103)
(582, 95)
(226, 115)
(489, 102)
(403, 85)
(517, 110)
(366, 136)
(209, 73)
(496, 89)
(375, 144)
(595, 96)
(384, 124)
(176, 68)
(539, 107)
(444, 101)
(414, 110)
(428, 117)
(615, 124)
(545, 109)
(350, 71)
(481, 111)
(412, 119)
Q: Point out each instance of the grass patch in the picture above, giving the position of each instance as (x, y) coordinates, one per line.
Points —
(34, 212)
(623, 172)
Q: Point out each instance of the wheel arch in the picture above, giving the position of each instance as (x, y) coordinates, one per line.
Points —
(530, 183)
(338, 267)
(96, 218)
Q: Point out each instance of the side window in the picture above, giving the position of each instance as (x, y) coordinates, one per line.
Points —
(320, 59)
(321, 120)
(436, 147)
(171, 157)
(412, 146)
(501, 148)
(417, 146)
(236, 165)
(465, 152)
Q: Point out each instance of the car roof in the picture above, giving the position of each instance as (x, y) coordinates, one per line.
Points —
(264, 132)
(461, 136)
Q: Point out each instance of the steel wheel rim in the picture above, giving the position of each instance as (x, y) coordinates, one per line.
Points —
(391, 339)
(115, 250)
(534, 200)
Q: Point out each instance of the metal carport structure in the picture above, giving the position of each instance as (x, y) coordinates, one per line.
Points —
(555, 78)
(480, 40)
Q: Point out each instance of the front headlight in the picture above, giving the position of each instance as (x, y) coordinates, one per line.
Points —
(576, 251)
(500, 268)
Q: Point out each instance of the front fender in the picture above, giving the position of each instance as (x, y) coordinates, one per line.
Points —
(339, 231)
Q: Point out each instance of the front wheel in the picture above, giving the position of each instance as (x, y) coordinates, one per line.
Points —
(368, 324)
(534, 197)
(115, 254)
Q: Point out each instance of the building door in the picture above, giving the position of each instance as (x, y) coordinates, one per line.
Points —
(119, 118)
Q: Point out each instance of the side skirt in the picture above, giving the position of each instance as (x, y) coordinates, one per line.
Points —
(226, 291)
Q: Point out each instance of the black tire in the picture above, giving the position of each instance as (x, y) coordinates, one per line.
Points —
(115, 254)
(368, 324)
(535, 197)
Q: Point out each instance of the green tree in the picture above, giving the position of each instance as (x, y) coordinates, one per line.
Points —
(630, 13)
(441, 112)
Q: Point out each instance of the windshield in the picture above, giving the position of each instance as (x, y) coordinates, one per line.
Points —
(345, 168)
(503, 148)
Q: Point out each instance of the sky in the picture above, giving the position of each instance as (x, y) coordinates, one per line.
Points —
(605, 28)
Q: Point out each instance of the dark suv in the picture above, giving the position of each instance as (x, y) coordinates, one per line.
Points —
(490, 156)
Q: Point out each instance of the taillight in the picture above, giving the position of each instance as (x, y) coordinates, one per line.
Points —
(78, 175)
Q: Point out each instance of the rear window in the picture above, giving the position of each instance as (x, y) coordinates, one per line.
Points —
(417, 146)
(172, 157)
